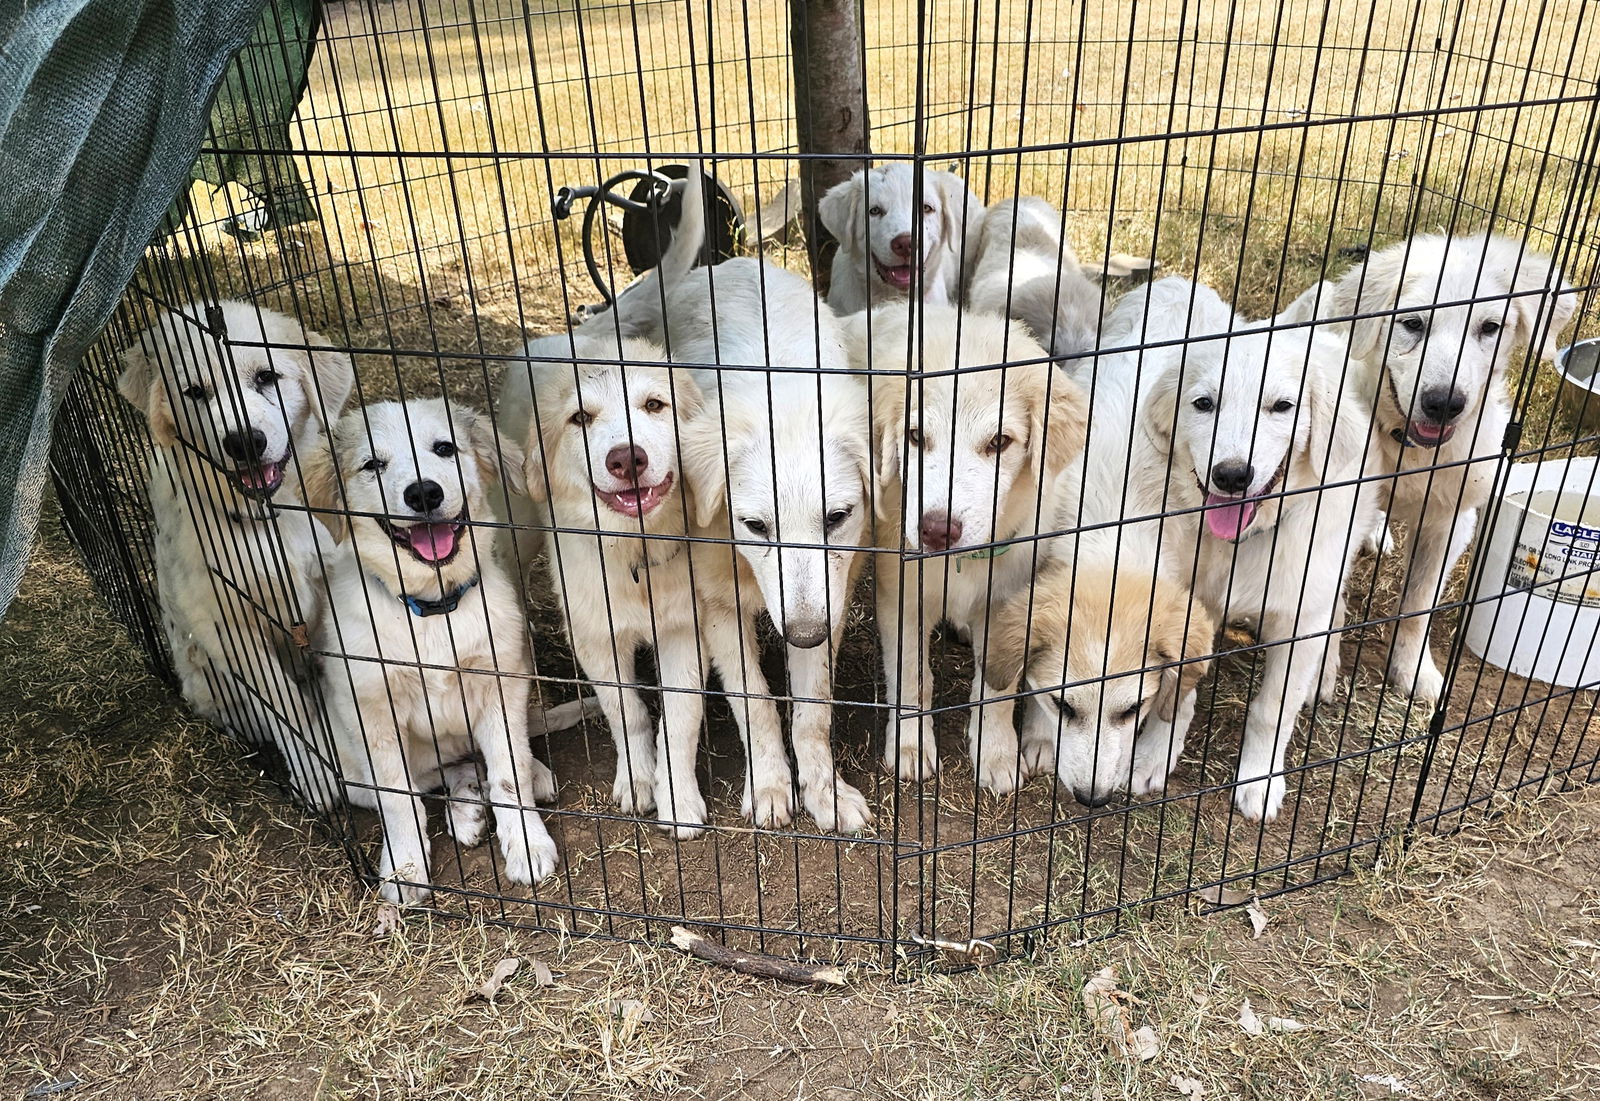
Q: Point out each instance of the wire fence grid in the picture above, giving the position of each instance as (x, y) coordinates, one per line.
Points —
(1253, 150)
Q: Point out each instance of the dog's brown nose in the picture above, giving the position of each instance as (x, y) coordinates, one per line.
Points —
(627, 463)
(939, 531)
(901, 246)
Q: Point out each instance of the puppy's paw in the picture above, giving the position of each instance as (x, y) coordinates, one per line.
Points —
(1260, 800)
(837, 807)
(541, 782)
(634, 791)
(466, 818)
(997, 769)
(1328, 685)
(1151, 768)
(1038, 756)
(909, 751)
(409, 893)
(769, 805)
(529, 852)
(683, 813)
(1419, 678)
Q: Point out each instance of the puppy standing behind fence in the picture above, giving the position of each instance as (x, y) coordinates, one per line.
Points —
(875, 217)
(426, 647)
(236, 574)
(1024, 268)
(969, 459)
(1432, 363)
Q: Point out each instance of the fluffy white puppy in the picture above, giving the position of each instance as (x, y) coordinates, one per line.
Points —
(1254, 431)
(1026, 269)
(895, 243)
(1436, 323)
(425, 649)
(230, 396)
(967, 461)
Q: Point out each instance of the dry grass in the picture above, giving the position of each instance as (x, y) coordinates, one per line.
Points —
(174, 931)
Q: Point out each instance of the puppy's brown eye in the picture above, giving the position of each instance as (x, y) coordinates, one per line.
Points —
(1000, 442)
(266, 377)
(444, 449)
(927, 208)
(1283, 405)
(581, 419)
(876, 212)
(913, 437)
(1130, 714)
(196, 392)
(1489, 328)
(1204, 403)
(654, 405)
(1412, 324)
(1068, 712)
(374, 465)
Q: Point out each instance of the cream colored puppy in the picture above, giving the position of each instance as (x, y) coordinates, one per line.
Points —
(1026, 269)
(966, 459)
(426, 648)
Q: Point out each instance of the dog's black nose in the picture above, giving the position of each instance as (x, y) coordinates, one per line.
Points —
(424, 496)
(939, 531)
(1441, 404)
(627, 463)
(805, 635)
(901, 246)
(244, 447)
(1087, 797)
(1233, 477)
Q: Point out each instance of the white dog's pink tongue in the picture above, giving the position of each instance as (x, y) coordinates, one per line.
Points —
(431, 542)
(261, 477)
(900, 277)
(1227, 517)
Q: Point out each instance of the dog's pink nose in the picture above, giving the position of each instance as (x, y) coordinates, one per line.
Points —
(901, 246)
(939, 531)
(627, 463)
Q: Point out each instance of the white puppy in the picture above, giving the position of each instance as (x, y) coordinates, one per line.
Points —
(1026, 269)
(237, 576)
(967, 460)
(894, 242)
(780, 464)
(1245, 427)
(425, 648)
(1106, 649)
(1447, 315)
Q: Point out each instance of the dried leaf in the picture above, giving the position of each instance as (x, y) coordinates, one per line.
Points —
(388, 920)
(542, 975)
(1395, 1086)
(632, 1013)
(497, 978)
(1188, 1087)
(1255, 1025)
(1258, 918)
(1223, 896)
(1107, 1007)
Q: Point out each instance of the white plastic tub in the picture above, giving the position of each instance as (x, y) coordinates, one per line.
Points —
(1538, 610)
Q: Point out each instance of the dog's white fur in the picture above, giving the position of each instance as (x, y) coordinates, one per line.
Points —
(1420, 349)
(1025, 269)
(963, 461)
(410, 696)
(1270, 405)
(234, 573)
(781, 463)
(878, 207)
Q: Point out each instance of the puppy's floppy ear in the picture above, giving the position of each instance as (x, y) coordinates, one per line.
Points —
(841, 211)
(1157, 414)
(705, 471)
(497, 455)
(1031, 623)
(1179, 626)
(1339, 430)
(888, 437)
(141, 385)
(1369, 288)
(1065, 421)
(532, 475)
(1552, 308)
(961, 213)
(328, 378)
(321, 482)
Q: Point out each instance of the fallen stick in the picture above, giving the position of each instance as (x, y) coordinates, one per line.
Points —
(756, 963)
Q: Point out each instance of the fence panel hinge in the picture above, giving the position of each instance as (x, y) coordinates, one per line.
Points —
(1513, 436)
(217, 322)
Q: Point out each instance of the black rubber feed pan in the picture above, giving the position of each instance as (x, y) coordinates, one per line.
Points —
(645, 237)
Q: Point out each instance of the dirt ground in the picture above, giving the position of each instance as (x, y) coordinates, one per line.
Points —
(170, 927)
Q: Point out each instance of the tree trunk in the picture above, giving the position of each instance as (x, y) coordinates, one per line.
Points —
(830, 93)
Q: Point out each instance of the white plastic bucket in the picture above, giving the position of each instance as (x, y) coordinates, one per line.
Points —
(1537, 609)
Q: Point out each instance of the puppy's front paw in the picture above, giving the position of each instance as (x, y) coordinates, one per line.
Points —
(1260, 800)
(1151, 768)
(1418, 677)
(1328, 685)
(770, 804)
(837, 807)
(683, 812)
(634, 789)
(415, 887)
(909, 751)
(1038, 756)
(530, 852)
(466, 817)
(541, 782)
(997, 768)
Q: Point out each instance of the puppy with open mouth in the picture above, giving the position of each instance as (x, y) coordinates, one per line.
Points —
(228, 392)
(425, 650)
(600, 418)
(1433, 324)
(1251, 437)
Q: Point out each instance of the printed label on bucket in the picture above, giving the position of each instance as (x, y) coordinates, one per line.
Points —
(1561, 567)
